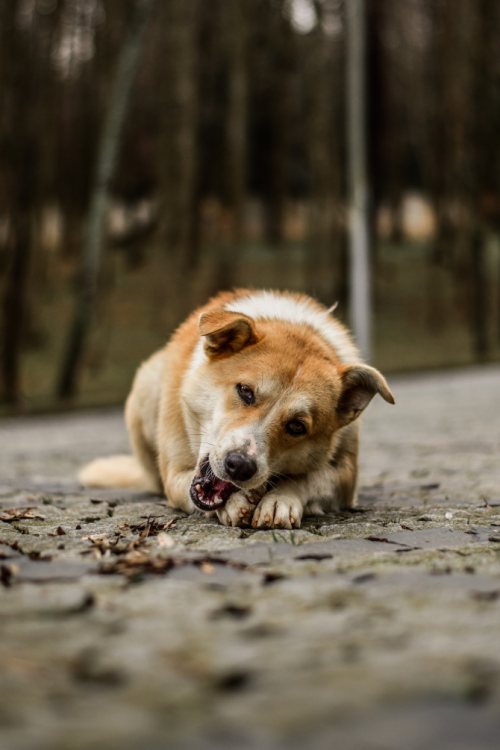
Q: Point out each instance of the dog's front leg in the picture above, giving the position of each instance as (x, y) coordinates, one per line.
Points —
(177, 484)
(329, 489)
(239, 509)
(282, 507)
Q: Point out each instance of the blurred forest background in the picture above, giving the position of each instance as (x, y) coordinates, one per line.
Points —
(231, 171)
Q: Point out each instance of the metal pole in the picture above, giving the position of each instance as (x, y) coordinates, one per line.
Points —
(359, 250)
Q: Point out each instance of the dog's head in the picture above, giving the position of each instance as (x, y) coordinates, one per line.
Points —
(267, 402)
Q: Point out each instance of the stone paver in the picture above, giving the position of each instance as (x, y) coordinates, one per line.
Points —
(125, 624)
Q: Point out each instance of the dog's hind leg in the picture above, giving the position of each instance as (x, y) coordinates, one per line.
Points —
(141, 416)
(146, 455)
(143, 450)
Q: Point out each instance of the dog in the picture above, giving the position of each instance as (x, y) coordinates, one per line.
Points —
(250, 412)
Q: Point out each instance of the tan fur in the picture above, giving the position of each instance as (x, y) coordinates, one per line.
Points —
(184, 405)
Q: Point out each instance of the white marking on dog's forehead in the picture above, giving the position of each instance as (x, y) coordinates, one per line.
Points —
(287, 405)
(299, 404)
(264, 384)
(267, 385)
(275, 306)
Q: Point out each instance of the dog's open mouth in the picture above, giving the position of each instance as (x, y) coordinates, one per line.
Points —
(207, 491)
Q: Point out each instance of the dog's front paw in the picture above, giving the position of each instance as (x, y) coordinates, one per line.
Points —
(278, 512)
(238, 510)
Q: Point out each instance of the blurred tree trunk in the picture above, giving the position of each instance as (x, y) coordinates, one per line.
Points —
(385, 126)
(105, 167)
(439, 74)
(15, 301)
(459, 92)
(19, 158)
(323, 254)
(281, 41)
(477, 179)
(179, 234)
(438, 156)
(236, 135)
(480, 293)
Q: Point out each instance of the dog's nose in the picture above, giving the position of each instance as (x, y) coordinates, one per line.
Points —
(240, 467)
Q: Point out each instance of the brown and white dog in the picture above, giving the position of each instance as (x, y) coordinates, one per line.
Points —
(250, 411)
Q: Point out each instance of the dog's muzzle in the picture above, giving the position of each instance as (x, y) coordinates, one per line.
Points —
(207, 491)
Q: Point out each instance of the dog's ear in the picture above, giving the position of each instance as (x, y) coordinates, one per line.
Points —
(360, 383)
(226, 332)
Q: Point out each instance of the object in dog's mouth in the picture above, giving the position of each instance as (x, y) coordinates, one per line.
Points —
(207, 491)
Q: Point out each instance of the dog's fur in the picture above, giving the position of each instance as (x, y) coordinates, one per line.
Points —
(303, 371)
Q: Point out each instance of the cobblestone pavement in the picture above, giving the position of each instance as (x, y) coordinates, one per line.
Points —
(125, 625)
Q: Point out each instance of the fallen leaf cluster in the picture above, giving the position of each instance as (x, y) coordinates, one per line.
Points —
(122, 545)
(150, 527)
(18, 514)
(134, 558)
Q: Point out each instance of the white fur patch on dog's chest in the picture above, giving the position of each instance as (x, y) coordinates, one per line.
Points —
(273, 306)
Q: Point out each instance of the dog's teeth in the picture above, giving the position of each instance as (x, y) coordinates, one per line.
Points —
(197, 487)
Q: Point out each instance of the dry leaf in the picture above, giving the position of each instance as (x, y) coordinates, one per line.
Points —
(136, 558)
(95, 537)
(17, 514)
(151, 526)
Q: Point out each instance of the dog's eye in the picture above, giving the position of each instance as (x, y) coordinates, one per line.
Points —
(296, 428)
(245, 393)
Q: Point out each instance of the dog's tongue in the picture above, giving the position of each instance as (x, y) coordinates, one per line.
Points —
(208, 492)
(222, 489)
